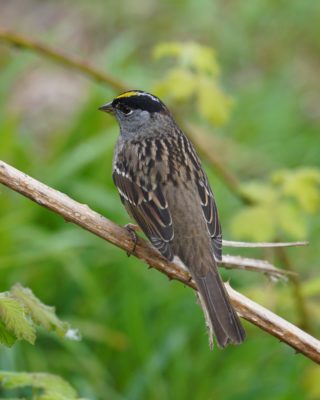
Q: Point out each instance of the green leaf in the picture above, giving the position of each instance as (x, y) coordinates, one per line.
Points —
(302, 184)
(254, 223)
(53, 386)
(178, 84)
(20, 310)
(7, 338)
(13, 316)
(212, 103)
(166, 49)
(53, 396)
(192, 55)
(40, 313)
(260, 192)
(291, 220)
(197, 74)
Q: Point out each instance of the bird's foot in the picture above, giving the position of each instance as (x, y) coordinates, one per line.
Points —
(132, 229)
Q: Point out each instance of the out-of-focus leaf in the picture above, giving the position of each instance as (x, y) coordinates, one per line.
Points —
(14, 318)
(190, 54)
(311, 287)
(311, 381)
(260, 192)
(53, 396)
(303, 184)
(167, 49)
(40, 313)
(179, 83)
(291, 220)
(254, 223)
(54, 386)
(195, 74)
(6, 338)
(277, 197)
(213, 104)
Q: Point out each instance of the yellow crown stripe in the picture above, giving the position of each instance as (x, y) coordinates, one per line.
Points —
(127, 94)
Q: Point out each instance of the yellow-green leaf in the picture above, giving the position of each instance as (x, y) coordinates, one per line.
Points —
(52, 385)
(213, 104)
(40, 313)
(303, 184)
(13, 316)
(167, 49)
(254, 223)
(191, 55)
(179, 84)
(291, 220)
(260, 192)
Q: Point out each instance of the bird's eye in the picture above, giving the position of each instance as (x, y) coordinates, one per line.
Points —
(125, 109)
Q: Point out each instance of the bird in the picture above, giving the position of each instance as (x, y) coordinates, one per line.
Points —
(165, 190)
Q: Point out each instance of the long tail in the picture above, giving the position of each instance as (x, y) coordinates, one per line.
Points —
(222, 320)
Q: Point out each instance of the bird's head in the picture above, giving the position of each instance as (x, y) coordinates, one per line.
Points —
(137, 111)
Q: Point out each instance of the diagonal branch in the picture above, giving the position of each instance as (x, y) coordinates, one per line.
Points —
(59, 56)
(83, 216)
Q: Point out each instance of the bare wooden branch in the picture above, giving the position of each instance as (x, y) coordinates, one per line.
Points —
(83, 216)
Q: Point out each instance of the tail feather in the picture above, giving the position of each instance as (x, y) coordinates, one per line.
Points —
(221, 318)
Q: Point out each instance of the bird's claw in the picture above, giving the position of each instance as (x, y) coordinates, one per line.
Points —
(132, 229)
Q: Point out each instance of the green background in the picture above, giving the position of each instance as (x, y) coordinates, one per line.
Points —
(143, 337)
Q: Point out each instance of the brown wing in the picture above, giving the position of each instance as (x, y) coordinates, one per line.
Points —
(208, 203)
(210, 214)
(150, 210)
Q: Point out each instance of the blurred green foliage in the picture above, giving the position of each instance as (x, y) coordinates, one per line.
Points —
(280, 207)
(44, 386)
(21, 311)
(194, 77)
(144, 337)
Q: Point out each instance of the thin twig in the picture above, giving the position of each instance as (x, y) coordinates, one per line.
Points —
(252, 264)
(59, 56)
(232, 243)
(83, 216)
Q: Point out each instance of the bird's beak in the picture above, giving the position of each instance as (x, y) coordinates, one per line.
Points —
(107, 108)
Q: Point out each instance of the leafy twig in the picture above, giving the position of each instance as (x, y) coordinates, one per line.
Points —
(83, 216)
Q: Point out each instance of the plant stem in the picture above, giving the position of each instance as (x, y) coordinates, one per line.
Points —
(301, 307)
(24, 42)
